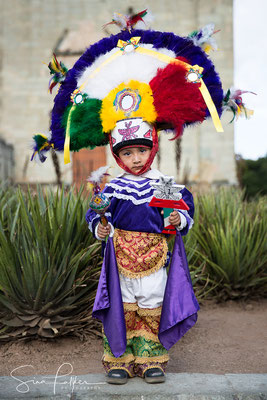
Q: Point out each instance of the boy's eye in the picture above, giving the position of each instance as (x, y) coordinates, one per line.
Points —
(142, 150)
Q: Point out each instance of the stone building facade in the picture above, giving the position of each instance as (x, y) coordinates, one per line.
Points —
(30, 30)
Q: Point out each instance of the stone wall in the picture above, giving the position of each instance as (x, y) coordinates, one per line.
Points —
(31, 29)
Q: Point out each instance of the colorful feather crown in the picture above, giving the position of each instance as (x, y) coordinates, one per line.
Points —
(157, 76)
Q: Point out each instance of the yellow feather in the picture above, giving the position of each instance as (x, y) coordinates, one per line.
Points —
(207, 48)
(90, 186)
(146, 110)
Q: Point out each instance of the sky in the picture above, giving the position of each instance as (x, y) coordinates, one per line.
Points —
(250, 73)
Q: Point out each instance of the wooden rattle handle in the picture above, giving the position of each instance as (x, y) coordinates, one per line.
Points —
(103, 220)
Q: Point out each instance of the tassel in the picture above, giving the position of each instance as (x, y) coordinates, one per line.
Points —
(40, 145)
(125, 22)
(58, 70)
(96, 178)
(233, 101)
(203, 38)
(136, 18)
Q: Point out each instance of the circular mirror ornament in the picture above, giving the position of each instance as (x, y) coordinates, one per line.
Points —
(77, 97)
(129, 48)
(127, 100)
(193, 76)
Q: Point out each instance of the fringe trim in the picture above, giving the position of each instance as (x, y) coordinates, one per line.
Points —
(129, 274)
(161, 359)
(130, 306)
(143, 312)
(123, 359)
(143, 333)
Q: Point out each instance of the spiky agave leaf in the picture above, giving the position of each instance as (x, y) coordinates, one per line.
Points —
(230, 236)
(49, 267)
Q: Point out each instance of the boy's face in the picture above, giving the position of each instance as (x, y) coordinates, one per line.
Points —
(134, 157)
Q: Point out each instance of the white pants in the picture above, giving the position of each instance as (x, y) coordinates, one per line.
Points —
(147, 292)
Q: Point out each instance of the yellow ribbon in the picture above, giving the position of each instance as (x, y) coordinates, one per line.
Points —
(67, 138)
(211, 107)
(165, 58)
(203, 88)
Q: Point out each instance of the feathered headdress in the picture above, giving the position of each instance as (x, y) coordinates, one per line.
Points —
(129, 85)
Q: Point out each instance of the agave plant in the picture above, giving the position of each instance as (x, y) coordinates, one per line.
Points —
(8, 203)
(49, 266)
(230, 237)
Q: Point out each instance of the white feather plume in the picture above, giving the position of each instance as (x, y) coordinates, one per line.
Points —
(129, 66)
(120, 20)
(148, 19)
(97, 176)
(204, 37)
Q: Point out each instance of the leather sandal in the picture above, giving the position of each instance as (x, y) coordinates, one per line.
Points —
(154, 375)
(117, 376)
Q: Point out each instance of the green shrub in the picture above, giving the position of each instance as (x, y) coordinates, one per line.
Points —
(49, 265)
(252, 176)
(229, 241)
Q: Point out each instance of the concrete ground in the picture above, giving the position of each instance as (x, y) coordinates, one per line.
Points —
(177, 386)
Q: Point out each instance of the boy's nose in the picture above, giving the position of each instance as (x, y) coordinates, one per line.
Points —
(136, 159)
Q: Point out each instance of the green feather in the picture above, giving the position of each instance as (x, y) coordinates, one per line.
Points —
(192, 34)
(86, 127)
(234, 112)
(227, 96)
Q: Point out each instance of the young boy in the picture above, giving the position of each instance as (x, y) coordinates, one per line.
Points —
(121, 91)
(141, 252)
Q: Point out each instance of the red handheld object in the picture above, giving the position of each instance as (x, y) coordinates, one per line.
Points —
(168, 206)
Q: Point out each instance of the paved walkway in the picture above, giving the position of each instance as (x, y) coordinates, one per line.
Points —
(177, 386)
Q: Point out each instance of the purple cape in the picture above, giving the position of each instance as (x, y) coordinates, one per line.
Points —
(179, 308)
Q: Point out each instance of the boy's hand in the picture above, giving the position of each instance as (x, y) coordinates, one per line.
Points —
(103, 231)
(174, 218)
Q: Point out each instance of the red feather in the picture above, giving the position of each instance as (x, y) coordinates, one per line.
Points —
(177, 101)
(51, 87)
(108, 23)
(56, 61)
(137, 17)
